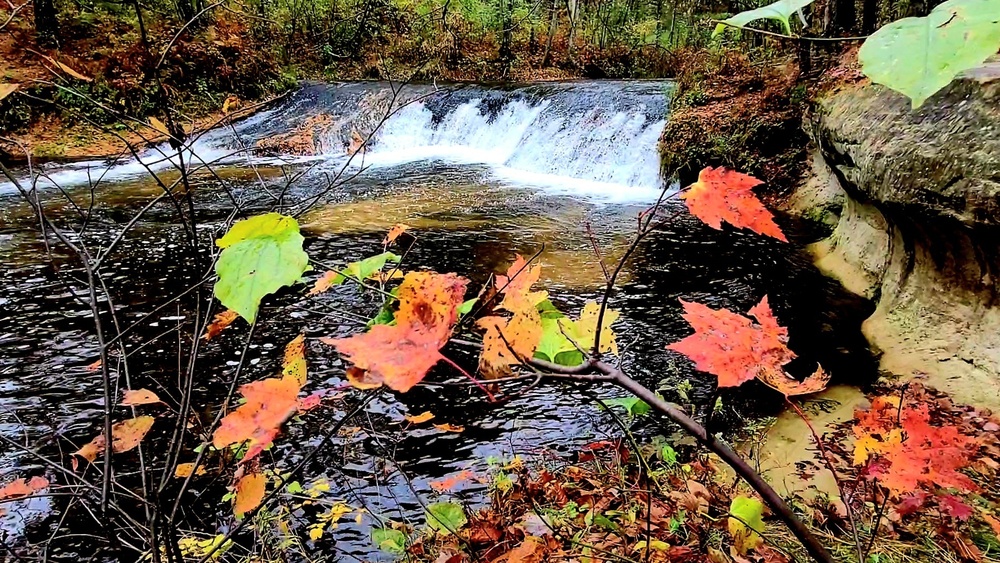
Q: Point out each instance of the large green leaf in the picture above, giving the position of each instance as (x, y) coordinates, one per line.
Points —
(780, 10)
(390, 540)
(259, 256)
(919, 56)
(445, 517)
(748, 525)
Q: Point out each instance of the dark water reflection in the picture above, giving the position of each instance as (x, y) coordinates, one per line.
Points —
(463, 223)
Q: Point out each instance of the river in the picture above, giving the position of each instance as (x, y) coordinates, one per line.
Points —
(479, 173)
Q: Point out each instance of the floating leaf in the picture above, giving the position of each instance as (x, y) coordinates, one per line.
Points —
(400, 355)
(919, 56)
(139, 397)
(748, 525)
(260, 255)
(450, 483)
(389, 540)
(781, 11)
(219, 323)
(445, 517)
(420, 418)
(20, 488)
(125, 436)
(249, 492)
(448, 427)
(725, 195)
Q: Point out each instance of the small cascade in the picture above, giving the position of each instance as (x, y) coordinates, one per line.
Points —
(596, 138)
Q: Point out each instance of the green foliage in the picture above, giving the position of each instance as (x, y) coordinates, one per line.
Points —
(260, 255)
(748, 525)
(364, 269)
(633, 406)
(781, 11)
(920, 56)
(390, 540)
(445, 517)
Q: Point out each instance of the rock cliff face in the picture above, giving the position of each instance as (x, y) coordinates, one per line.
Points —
(914, 201)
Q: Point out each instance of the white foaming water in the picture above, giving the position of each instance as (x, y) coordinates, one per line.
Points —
(609, 154)
(594, 145)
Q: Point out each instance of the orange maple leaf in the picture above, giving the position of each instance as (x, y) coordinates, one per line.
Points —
(726, 195)
(249, 492)
(269, 403)
(132, 398)
(904, 451)
(394, 233)
(508, 342)
(400, 355)
(19, 488)
(219, 323)
(735, 349)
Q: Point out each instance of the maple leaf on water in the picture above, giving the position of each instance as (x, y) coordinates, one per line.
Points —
(132, 398)
(726, 195)
(735, 349)
(905, 452)
(125, 436)
(20, 488)
(400, 355)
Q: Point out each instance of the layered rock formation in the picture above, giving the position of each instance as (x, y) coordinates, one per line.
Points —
(914, 201)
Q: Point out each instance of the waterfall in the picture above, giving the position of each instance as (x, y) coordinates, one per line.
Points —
(594, 138)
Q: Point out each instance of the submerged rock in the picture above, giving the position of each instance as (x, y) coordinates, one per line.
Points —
(914, 198)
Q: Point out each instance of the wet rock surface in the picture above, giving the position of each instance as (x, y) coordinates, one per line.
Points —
(915, 195)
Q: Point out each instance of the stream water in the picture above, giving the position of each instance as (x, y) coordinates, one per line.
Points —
(479, 173)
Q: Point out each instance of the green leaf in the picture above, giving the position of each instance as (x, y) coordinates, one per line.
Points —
(466, 308)
(634, 406)
(260, 255)
(445, 517)
(750, 511)
(548, 310)
(389, 540)
(554, 343)
(668, 455)
(780, 10)
(919, 56)
(385, 315)
(364, 269)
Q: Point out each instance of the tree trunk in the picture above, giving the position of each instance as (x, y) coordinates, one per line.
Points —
(571, 5)
(553, 25)
(845, 17)
(869, 17)
(46, 23)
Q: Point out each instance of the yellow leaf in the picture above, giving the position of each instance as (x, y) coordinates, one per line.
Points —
(295, 360)
(7, 89)
(315, 533)
(419, 418)
(583, 331)
(159, 126)
(231, 102)
(249, 493)
(184, 470)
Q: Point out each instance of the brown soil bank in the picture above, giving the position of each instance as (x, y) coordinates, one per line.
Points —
(914, 199)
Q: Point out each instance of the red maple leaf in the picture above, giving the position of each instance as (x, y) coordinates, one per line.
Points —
(400, 355)
(954, 507)
(726, 195)
(735, 349)
(909, 452)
